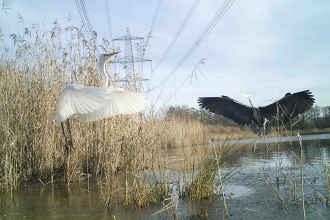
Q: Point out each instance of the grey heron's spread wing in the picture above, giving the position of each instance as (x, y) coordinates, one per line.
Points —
(229, 108)
(288, 107)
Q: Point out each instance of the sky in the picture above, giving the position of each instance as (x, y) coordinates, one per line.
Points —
(264, 47)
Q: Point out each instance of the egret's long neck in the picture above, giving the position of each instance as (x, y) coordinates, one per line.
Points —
(103, 74)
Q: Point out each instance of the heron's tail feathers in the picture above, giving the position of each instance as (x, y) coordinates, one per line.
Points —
(259, 130)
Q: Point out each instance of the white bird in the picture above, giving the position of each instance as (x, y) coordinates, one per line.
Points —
(95, 103)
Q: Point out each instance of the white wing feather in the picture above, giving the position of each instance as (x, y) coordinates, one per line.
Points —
(76, 99)
(121, 102)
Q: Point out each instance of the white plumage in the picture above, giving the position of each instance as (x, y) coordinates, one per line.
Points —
(96, 103)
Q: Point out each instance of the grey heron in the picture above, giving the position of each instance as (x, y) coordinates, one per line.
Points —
(261, 120)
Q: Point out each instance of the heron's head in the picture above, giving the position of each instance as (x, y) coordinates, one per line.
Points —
(104, 56)
(288, 94)
(246, 95)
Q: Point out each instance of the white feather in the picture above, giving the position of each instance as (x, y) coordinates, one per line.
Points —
(96, 103)
(122, 102)
(77, 99)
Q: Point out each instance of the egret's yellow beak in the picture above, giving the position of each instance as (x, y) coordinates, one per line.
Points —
(111, 54)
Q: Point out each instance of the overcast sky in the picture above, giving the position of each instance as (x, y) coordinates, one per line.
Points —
(263, 47)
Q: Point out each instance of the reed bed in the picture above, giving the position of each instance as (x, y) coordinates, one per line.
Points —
(125, 154)
(32, 145)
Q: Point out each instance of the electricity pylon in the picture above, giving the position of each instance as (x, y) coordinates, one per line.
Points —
(132, 81)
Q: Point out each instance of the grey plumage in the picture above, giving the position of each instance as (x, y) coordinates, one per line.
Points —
(261, 120)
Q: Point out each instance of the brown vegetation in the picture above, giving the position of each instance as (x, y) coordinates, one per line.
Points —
(126, 154)
(114, 151)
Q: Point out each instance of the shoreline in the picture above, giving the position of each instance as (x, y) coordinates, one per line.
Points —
(239, 135)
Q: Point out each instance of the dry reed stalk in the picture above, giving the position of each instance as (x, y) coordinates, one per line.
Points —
(327, 176)
(221, 183)
(114, 151)
(201, 183)
(302, 176)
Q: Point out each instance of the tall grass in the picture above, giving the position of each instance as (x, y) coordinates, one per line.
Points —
(124, 154)
(32, 145)
(309, 177)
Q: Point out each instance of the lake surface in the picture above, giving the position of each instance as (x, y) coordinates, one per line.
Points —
(262, 186)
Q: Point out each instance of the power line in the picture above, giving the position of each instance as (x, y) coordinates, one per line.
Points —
(226, 5)
(109, 20)
(151, 28)
(81, 5)
(189, 76)
(128, 12)
(183, 25)
(82, 17)
(145, 44)
(155, 16)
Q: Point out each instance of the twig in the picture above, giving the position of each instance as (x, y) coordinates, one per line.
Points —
(302, 175)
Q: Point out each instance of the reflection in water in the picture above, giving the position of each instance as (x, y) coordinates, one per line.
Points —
(250, 192)
(315, 150)
(33, 201)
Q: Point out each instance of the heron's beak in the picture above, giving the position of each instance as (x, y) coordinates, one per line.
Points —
(111, 54)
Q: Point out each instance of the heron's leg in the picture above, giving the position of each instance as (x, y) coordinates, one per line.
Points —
(255, 145)
(267, 149)
(264, 134)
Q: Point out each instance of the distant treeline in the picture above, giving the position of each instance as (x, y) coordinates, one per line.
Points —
(316, 117)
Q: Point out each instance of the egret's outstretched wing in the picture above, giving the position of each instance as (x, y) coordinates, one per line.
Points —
(77, 99)
(121, 102)
(229, 108)
(288, 107)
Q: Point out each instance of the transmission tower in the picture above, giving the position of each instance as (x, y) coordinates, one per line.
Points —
(132, 81)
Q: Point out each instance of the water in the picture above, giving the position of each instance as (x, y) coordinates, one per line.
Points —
(252, 192)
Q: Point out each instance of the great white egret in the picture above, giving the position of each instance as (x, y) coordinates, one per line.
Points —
(261, 120)
(95, 103)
